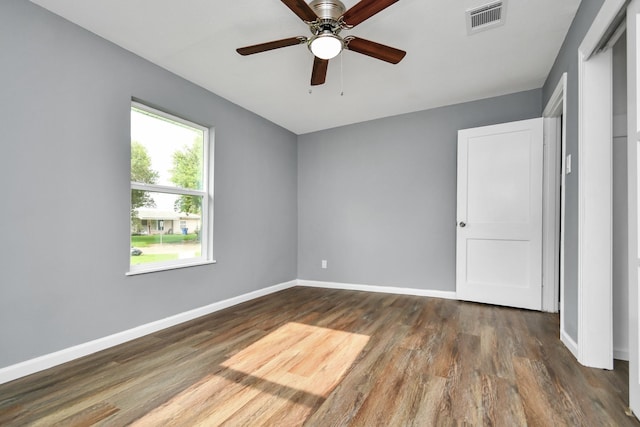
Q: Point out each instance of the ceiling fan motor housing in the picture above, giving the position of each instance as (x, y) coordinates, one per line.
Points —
(328, 9)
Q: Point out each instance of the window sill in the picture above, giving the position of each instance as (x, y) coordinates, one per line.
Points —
(154, 269)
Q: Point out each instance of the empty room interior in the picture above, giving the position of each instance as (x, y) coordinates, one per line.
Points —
(322, 213)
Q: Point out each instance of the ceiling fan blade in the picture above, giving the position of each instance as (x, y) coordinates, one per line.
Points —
(376, 50)
(302, 9)
(364, 10)
(263, 47)
(319, 73)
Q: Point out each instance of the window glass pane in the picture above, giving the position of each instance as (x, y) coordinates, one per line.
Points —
(167, 227)
(165, 152)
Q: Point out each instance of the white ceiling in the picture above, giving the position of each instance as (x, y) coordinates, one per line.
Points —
(196, 39)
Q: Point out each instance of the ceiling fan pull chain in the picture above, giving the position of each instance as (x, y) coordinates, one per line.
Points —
(341, 74)
(311, 87)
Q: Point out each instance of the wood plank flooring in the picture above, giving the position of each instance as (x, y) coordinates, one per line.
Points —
(318, 357)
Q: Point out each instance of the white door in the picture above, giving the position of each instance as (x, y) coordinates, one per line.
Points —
(633, 164)
(499, 231)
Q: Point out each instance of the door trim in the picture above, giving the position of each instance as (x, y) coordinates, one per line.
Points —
(555, 131)
(595, 242)
(608, 13)
(632, 202)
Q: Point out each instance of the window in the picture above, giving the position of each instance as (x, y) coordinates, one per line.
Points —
(171, 191)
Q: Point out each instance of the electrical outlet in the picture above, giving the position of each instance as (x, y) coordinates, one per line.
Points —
(324, 263)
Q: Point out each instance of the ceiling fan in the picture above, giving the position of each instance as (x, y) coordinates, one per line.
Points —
(326, 19)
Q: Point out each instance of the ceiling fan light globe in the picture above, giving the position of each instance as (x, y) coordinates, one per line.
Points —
(326, 46)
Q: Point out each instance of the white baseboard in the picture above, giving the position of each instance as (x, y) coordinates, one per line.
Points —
(621, 354)
(47, 361)
(381, 289)
(569, 343)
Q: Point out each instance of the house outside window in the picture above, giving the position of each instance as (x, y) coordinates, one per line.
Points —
(171, 191)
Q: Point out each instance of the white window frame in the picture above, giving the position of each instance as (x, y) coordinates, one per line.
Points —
(206, 230)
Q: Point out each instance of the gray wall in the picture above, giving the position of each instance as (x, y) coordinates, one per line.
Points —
(567, 61)
(64, 165)
(377, 200)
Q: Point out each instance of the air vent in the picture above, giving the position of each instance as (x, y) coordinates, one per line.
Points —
(485, 17)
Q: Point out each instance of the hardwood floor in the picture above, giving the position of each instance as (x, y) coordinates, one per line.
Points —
(319, 357)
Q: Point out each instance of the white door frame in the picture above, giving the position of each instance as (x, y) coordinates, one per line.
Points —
(632, 182)
(595, 139)
(555, 131)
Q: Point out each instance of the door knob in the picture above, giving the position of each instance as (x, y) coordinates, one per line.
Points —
(462, 224)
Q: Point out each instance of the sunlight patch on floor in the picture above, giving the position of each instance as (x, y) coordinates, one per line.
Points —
(282, 376)
(299, 356)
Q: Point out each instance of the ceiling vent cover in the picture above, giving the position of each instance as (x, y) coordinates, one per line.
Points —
(485, 17)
